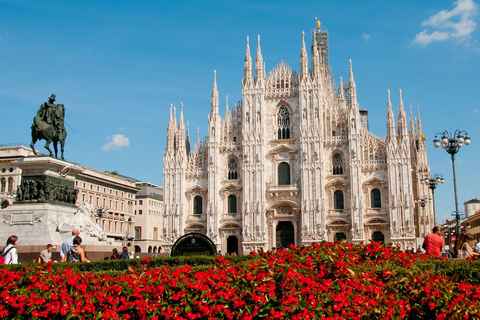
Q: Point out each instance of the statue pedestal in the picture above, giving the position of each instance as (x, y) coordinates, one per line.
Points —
(45, 211)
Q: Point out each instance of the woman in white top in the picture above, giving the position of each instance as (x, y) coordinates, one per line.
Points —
(11, 256)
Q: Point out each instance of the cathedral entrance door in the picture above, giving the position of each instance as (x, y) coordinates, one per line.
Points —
(232, 245)
(378, 236)
(285, 234)
(339, 236)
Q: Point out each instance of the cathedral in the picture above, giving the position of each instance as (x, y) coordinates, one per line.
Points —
(294, 162)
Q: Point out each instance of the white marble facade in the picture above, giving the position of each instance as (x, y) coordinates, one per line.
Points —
(294, 162)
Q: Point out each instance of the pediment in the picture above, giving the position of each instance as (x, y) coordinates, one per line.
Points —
(231, 188)
(196, 190)
(282, 149)
(376, 221)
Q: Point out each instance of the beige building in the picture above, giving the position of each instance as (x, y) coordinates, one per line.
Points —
(114, 199)
(149, 211)
(10, 173)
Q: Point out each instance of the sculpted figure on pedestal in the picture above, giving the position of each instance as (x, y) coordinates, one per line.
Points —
(48, 125)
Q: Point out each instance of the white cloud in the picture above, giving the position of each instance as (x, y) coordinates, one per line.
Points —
(365, 36)
(116, 142)
(476, 110)
(457, 24)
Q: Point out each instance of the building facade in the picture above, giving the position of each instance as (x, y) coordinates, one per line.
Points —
(295, 163)
(10, 173)
(149, 211)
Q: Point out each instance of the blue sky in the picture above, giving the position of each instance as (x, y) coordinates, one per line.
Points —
(117, 66)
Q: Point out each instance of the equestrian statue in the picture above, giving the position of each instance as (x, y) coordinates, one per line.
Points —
(48, 125)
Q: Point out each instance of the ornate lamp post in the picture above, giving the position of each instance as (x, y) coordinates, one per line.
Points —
(422, 202)
(432, 183)
(452, 144)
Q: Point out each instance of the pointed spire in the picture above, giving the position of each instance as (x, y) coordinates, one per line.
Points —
(353, 88)
(187, 142)
(419, 122)
(390, 120)
(259, 69)
(342, 91)
(198, 137)
(351, 72)
(226, 106)
(214, 102)
(315, 58)
(248, 64)
(411, 123)
(401, 117)
(303, 59)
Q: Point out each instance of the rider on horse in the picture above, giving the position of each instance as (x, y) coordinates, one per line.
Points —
(48, 124)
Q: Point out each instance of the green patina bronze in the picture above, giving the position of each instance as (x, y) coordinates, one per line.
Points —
(48, 125)
(46, 189)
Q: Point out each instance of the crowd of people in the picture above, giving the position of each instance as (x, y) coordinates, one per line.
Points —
(71, 251)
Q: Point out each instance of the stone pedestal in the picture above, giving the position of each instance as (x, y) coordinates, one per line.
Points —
(45, 211)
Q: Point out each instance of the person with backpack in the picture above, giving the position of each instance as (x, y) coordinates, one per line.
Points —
(9, 253)
(75, 253)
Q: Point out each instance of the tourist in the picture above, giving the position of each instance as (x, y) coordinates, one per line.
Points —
(75, 253)
(219, 252)
(419, 250)
(477, 246)
(46, 255)
(125, 254)
(10, 251)
(67, 244)
(115, 255)
(433, 243)
(465, 250)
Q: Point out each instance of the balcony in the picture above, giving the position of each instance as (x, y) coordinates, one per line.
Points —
(283, 191)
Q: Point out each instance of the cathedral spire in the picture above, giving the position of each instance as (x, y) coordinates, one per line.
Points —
(303, 59)
(342, 91)
(248, 64)
(411, 128)
(214, 103)
(401, 117)
(419, 122)
(259, 62)
(353, 88)
(390, 120)
(170, 130)
(198, 138)
(181, 125)
(315, 58)
(187, 141)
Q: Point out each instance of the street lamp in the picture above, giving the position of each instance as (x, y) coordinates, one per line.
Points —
(422, 202)
(452, 144)
(432, 183)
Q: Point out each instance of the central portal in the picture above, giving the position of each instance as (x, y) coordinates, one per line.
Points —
(285, 234)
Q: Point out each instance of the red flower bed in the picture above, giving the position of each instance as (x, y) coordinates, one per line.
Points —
(325, 281)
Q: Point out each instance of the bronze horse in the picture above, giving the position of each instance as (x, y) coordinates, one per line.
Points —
(50, 132)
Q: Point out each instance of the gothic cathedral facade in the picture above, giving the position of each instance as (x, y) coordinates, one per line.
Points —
(295, 163)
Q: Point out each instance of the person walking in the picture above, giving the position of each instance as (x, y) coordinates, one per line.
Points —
(67, 244)
(46, 255)
(10, 251)
(433, 243)
(75, 253)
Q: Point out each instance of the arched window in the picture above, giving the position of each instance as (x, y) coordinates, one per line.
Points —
(197, 205)
(283, 174)
(337, 164)
(283, 123)
(150, 249)
(10, 184)
(338, 200)
(232, 169)
(3, 185)
(232, 203)
(376, 198)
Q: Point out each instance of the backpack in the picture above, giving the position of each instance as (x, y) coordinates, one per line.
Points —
(2, 257)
